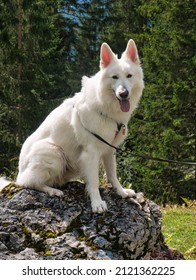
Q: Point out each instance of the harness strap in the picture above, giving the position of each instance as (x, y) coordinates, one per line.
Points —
(104, 141)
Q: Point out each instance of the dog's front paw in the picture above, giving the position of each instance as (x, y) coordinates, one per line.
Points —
(135, 197)
(126, 193)
(140, 197)
(99, 206)
(55, 192)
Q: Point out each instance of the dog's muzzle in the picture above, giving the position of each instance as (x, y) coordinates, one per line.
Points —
(122, 96)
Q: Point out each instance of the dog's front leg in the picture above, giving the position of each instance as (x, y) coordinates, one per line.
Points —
(109, 160)
(90, 171)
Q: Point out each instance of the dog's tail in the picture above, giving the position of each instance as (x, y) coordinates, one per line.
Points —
(3, 183)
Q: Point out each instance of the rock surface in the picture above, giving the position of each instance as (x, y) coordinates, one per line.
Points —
(36, 226)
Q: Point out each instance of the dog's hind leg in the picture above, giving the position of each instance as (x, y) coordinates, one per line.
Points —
(44, 166)
(35, 177)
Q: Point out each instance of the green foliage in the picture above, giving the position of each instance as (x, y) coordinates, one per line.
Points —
(47, 46)
(165, 123)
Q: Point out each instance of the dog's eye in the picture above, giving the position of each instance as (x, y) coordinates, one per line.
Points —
(115, 77)
(129, 76)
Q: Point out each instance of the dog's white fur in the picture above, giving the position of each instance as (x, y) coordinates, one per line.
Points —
(63, 147)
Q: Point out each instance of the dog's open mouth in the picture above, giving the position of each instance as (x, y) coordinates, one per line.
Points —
(124, 105)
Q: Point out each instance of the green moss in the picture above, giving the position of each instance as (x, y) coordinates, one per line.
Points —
(10, 190)
(78, 256)
(26, 231)
(45, 234)
(50, 234)
(48, 253)
(38, 246)
(82, 238)
(88, 242)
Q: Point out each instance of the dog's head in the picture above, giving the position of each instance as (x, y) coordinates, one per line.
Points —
(124, 76)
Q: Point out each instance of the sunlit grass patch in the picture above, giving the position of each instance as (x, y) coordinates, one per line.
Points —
(179, 229)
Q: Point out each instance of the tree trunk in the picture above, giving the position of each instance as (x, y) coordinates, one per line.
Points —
(19, 76)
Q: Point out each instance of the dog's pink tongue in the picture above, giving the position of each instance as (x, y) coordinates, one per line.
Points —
(124, 105)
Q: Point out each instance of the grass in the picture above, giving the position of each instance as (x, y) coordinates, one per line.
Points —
(179, 229)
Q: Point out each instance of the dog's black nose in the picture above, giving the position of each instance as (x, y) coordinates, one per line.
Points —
(124, 94)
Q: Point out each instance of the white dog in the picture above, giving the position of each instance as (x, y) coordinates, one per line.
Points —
(65, 145)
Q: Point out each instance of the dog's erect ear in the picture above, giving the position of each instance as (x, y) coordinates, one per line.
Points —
(131, 52)
(106, 55)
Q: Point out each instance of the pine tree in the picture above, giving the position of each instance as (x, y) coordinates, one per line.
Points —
(32, 70)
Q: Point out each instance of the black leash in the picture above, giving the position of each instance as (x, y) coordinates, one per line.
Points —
(104, 141)
(147, 157)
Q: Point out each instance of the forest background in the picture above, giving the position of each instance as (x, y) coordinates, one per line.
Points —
(47, 46)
